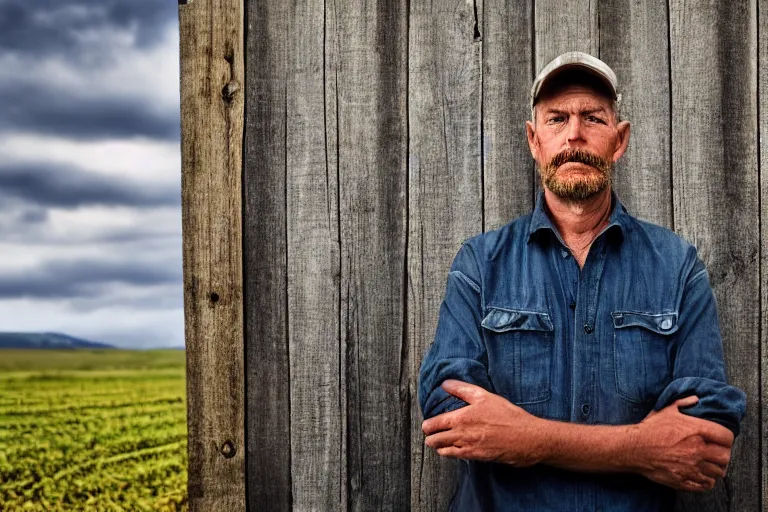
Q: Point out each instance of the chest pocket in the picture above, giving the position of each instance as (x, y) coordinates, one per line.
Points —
(520, 345)
(641, 344)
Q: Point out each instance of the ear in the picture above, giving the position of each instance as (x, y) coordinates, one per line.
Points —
(622, 142)
(533, 142)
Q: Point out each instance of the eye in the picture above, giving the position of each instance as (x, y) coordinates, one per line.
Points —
(555, 119)
(595, 119)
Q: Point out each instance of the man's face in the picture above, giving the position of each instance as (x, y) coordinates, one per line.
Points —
(576, 141)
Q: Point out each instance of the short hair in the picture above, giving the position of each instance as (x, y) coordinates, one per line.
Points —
(576, 76)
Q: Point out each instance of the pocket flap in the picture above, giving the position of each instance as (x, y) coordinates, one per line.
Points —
(661, 323)
(507, 319)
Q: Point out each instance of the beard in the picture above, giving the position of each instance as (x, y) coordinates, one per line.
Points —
(581, 186)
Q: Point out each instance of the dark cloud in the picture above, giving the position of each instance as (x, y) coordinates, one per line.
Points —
(88, 37)
(82, 116)
(61, 279)
(53, 27)
(53, 186)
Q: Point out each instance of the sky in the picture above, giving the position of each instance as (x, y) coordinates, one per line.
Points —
(90, 170)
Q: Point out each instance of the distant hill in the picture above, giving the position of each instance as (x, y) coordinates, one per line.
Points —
(46, 340)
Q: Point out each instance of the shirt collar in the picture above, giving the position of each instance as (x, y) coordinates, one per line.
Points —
(540, 221)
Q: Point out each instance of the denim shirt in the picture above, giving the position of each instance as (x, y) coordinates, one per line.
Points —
(633, 330)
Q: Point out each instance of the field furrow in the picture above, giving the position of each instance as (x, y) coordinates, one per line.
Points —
(98, 430)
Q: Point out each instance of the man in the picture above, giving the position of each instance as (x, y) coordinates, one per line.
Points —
(577, 364)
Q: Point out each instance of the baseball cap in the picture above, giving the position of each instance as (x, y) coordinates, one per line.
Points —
(575, 60)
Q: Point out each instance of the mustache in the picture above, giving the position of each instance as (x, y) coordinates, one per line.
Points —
(579, 156)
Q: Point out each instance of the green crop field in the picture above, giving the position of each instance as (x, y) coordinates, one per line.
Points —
(92, 430)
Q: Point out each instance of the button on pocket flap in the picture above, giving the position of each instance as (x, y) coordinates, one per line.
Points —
(505, 319)
(662, 323)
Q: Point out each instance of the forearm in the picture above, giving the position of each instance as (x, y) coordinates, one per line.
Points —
(590, 448)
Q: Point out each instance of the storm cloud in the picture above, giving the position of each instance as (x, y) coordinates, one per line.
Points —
(46, 184)
(89, 69)
(46, 27)
(83, 278)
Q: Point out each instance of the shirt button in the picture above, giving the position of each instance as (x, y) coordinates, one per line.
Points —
(585, 409)
(588, 329)
(572, 305)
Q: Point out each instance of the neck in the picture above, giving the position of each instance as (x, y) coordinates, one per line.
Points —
(579, 223)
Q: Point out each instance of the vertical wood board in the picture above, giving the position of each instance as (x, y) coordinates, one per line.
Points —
(634, 42)
(762, 127)
(212, 63)
(313, 269)
(445, 195)
(564, 28)
(268, 381)
(507, 38)
(715, 193)
(372, 133)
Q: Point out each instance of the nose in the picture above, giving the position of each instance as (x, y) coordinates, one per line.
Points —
(574, 134)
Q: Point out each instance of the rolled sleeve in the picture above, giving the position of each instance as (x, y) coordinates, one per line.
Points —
(458, 351)
(699, 367)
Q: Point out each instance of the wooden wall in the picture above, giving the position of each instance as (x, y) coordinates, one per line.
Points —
(370, 138)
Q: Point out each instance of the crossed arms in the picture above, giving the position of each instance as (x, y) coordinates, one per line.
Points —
(668, 447)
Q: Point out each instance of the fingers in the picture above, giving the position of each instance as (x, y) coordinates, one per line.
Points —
(686, 402)
(463, 390)
(711, 470)
(716, 433)
(450, 451)
(717, 454)
(439, 423)
(441, 439)
(699, 485)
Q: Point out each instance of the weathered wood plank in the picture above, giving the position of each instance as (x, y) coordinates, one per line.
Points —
(559, 29)
(372, 132)
(313, 268)
(634, 42)
(715, 194)
(264, 227)
(507, 76)
(212, 65)
(445, 193)
(762, 87)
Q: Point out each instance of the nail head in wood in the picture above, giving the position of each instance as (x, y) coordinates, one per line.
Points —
(228, 449)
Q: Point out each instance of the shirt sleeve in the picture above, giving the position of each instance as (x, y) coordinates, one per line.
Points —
(458, 350)
(699, 368)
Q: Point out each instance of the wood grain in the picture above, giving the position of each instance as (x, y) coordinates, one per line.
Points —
(445, 193)
(371, 82)
(715, 194)
(565, 28)
(212, 64)
(762, 87)
(268, 383)
(508, 181)
(313, 268)
(634, 42)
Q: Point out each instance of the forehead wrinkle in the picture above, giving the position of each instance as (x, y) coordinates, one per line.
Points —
(576, 105)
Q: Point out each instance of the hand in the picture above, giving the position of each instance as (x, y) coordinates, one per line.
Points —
(490, 428)
(683, 452)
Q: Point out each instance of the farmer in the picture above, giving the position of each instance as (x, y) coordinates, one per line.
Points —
(578, 364)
